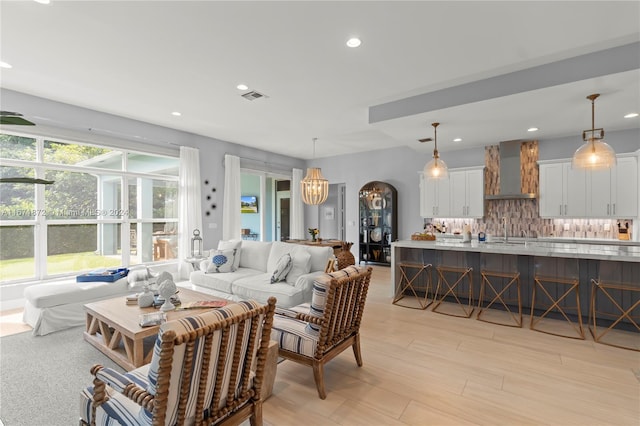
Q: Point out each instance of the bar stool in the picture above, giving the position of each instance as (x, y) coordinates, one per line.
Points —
(555, 281)
(455, 282)
(618, 308)
(411, 279)
(501, 285)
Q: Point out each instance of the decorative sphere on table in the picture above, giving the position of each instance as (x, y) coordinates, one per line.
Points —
(166, 289)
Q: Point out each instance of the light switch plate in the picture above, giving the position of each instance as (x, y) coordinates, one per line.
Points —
(566, 226)
(607, 227)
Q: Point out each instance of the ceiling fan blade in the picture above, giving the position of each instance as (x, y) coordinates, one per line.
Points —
(16, 121)
(26, 180)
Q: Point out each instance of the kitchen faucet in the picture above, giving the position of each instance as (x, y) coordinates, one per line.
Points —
(524, 234)
(504, 222)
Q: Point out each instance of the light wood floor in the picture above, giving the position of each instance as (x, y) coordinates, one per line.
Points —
(423, 368)
(11, 322)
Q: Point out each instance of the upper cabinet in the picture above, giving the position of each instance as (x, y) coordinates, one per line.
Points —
(565, 192)
(614, 193)
(434, 197)
(460, 196)
(467, 192)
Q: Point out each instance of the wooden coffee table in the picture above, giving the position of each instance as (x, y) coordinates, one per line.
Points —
(113, 327)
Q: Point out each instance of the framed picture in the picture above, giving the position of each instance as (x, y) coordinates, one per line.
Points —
(329, 213)
(248, 204)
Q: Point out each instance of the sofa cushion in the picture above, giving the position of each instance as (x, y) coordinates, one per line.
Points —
(282, 268)
(259, 287)
(222, 261)
(278, 249)
(232, 244)
(292, 335)
(319, 257)
(220, 282)
(254, 255)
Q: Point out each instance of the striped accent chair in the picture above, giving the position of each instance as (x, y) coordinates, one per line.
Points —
(206, 369)
(313, 334)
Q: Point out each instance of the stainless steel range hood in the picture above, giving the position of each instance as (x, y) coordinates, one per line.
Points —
(510, 170)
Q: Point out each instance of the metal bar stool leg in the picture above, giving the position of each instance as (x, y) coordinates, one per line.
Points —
(573, 287)
(617, 314)
(499, 296)
(408, 284)
(500, 276)
(450, 290)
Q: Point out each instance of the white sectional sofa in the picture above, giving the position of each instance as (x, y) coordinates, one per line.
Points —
(255, 267)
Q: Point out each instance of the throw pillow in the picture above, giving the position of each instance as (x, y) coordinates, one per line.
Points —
(222, 261)
(229, 245)
(282, 268)
(300, 265)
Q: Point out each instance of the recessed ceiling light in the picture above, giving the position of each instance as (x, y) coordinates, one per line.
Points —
(631, 115)
(457, 140)
(532, 129)
(176, 113)
(43, 1)
(5, 65)
(242, 87)
(354, 42)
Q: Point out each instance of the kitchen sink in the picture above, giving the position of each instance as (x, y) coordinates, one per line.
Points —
(509, 243)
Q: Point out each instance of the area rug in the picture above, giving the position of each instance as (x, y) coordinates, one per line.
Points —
(41, 377)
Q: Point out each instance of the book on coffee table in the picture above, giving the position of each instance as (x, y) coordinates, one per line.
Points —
(203, 304)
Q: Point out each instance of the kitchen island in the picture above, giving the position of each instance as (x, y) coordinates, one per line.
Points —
(589, 256)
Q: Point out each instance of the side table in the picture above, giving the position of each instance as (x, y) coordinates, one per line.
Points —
(195, 262)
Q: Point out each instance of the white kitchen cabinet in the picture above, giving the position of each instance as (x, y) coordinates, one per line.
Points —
(563, 191)
(614, 193)
(434, 197)
(467, 193)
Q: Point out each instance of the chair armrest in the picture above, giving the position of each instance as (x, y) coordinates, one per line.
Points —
(298, 315)
(286, 312)
(114, 379)
(121, 384)
(309, 318)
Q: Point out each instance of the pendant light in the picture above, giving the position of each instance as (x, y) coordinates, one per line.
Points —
(436, 168)
(595, 153)
(314, 188)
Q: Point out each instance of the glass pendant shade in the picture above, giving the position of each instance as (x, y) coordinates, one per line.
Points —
(594, 155)
(314, 188)
(436, 169)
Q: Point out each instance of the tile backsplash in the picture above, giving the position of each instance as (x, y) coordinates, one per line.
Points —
(518, 221)
(522, 214)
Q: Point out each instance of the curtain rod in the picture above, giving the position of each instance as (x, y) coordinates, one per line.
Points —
(270, 166)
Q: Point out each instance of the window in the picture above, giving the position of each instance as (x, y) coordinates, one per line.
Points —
(106, 208)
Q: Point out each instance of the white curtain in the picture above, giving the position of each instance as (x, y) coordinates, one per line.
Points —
(231, 219)
(297, 207)
(190, 208)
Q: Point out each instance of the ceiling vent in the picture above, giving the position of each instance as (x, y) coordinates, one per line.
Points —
(253, 95)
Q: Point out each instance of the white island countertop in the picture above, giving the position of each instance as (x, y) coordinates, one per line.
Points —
(615, 252)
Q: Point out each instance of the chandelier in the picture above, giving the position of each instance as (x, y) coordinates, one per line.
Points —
(595, 153)
(436, 168)
(314, 188)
